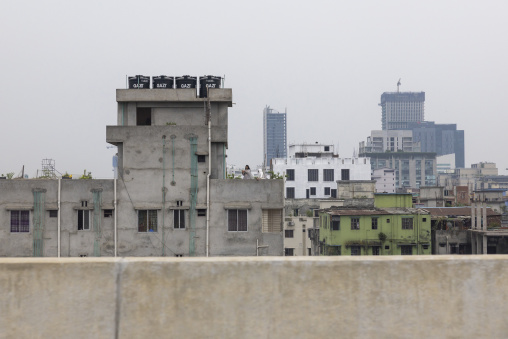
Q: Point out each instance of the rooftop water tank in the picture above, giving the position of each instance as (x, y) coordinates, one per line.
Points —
(206, 82)
(162, 82)
(186, 81)
(139, 82)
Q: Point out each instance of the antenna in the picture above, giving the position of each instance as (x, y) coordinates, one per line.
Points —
(398, 84)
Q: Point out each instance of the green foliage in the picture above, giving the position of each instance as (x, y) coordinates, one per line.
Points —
(277, 175)
(86, 176)
(67, 176)
(382, 237)
(309, 213)
(9, 175)
(232, 176)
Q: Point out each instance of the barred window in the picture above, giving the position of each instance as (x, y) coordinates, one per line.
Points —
(290, 192)
(407, 223)
(289, 234)
(406, 250)
(83, 220)
(272, 221)
(344, 174)
(290, 175)
(20, 221)
(356, 250)
(313, 191)
(333, 193)
(355, 223)
(313, 175)
(147, 221)
(374, 223)
(335, 223)
(328, 175)
(237, 220)
(327, 190)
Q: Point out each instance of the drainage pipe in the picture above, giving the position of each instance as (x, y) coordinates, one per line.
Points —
(115, 221)
(208, 178)
(59, 215)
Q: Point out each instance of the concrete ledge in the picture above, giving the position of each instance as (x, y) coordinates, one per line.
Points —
(400, 297)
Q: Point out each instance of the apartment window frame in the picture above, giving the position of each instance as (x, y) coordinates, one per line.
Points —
(238, 220)
(290, 192)
(312, 174)
(356, 250)
(335, 223)
(289, 233)
(289, 252)
(53, 213)
(271, 221)
(328, 175)
(344, 174)
(108, 213)
(290, 174)
(406, 250)
(407, 223)
(374, 223)
(179, 219)
(326, 191)
(84, 220)
(201, 212)
(376, 250)
(312, 190)
(20, 221)
(151, 219)
(355, 224)
(333, 193)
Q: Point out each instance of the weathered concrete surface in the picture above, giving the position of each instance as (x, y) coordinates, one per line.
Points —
(386, 297)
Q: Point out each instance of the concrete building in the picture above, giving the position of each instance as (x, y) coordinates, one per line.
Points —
(274, 135)
(441, 139)
(412, 169)
(392, 227)
(432, 196)
(172, 197)
(385, 180)
(389, 140)
(313, 174)
(399, 109)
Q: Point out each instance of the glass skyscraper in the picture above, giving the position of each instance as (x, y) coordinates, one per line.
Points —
(274, 135)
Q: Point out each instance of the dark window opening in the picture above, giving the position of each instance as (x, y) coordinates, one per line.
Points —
(290, 175)
(53, 213)
(108, 213)
(289, 252)
(201, 212)
(333, 193)
(344, 174)
(289, 234)
(201, 158)
(143, 116)
(179, 218)
(374, 223)
(290, 192)
(327, 190)
(313, 191)
(83, 220)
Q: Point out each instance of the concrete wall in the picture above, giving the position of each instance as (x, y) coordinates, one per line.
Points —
(396, 297)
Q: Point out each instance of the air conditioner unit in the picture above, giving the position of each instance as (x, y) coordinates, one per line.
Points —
(291, 223)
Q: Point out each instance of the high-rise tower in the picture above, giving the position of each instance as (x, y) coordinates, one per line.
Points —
(274, 135)
(401, 108)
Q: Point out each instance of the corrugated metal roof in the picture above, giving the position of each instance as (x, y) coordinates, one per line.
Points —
(457, 211)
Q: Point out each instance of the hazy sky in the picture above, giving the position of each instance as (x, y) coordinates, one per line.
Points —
(327, 62)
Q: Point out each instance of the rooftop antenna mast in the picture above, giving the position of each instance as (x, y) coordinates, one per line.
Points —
(398, 84)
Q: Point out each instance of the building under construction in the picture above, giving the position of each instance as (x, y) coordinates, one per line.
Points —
(171, 197)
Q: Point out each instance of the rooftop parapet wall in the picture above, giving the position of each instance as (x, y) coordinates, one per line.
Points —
(175, 95)
(412, 297)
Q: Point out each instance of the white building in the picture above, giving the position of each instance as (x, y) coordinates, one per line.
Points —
(385, 180)
(313, 170)
(389, 140)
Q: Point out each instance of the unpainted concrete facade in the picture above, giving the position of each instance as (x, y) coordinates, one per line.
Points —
(171, 197)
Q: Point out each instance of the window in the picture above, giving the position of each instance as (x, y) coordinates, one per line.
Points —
(375, 250)
(272, 221)
(407, 223)
(289, 234)
(237, 220)
(179, 255)
(20, 221)
(327, 148)
(143, 116)
(201, 212)
(387, 247)
(290, 175)
(179, 219)
(335, 223)
(327, 190)
(201, 158)
(374, 223)
(406, 250)
(313, 175)
(290, 192)
(84, 203)
(344, 174)
(313, 191)
(147, 221)
(387, 221)
(309, 251)
(355, 223)
(424, 219)
(356, 250)
(333, 193)
(289, 252)
(108, 213)
(179, 203)
(328, 175)
(83, 220)
(53, 213)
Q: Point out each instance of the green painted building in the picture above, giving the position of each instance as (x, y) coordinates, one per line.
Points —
(390, 228)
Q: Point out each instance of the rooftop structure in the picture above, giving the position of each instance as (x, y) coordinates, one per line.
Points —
(401, 108)
(274, 135)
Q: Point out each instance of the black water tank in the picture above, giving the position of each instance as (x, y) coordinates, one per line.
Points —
(162, 81)
(139, 82)
(208, 81)
(186, 81)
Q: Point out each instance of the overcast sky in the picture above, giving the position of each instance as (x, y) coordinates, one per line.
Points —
(327, 62)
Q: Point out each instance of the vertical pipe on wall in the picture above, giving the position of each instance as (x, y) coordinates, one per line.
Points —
(207, 245)
(115, 221)
(59, 216)
(163, 192)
